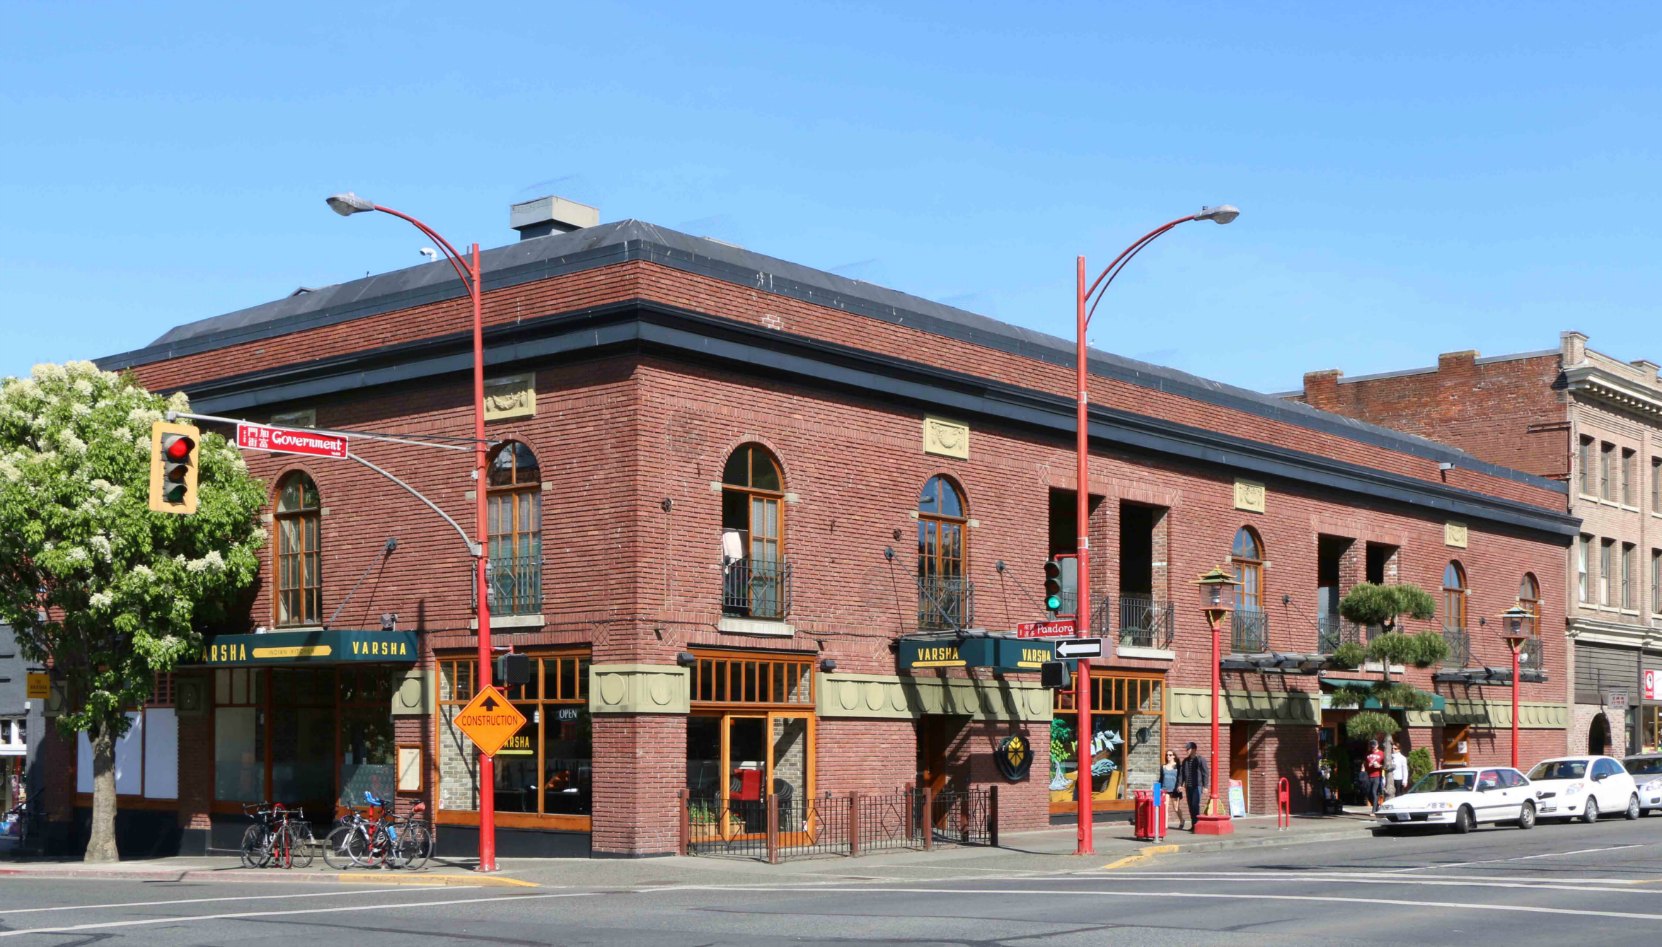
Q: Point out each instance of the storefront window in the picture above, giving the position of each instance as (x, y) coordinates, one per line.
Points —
(1650, 729)
(751, 735)
(368, 753)
(239, 740)
(1126, 742)
(546, 769)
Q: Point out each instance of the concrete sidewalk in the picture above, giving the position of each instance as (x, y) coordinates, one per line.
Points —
(1047, 851)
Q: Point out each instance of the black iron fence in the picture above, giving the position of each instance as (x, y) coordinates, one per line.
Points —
(782, 827)
(1459, 647)
(756, 588)
(945, 604)
(1333, 631)
(1250, 632)
(1146, 622)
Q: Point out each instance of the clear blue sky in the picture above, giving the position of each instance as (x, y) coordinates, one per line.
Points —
(1414, 178)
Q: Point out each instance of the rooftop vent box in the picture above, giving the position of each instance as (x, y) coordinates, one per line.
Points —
(546, 215)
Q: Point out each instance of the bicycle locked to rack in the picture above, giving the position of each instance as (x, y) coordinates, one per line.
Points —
(280, 837)
(374, 838)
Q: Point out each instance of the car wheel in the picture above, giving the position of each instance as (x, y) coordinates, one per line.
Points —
(1526, 815)
(1591, 813)
(1381, 830)
(1464, 820)
(1632, 807)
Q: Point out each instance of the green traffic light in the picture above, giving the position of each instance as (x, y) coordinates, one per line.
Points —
(174, 493)
(1054, 603)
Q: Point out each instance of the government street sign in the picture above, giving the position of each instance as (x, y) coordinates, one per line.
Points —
(288, 440)
(1078, 647)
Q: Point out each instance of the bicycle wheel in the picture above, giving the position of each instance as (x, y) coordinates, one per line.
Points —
(256, 847)
(414, 845)
(346, 847)
(384, 846)
(294, 840)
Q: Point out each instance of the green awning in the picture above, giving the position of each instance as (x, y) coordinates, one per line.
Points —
(312, 647)
(1372, 703)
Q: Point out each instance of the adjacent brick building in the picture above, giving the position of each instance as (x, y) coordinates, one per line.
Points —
(764, 528)
(1594, 422)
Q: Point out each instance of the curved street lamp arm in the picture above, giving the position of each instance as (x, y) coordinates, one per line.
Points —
(1118, 268)
(449, 251)
(1131, 251)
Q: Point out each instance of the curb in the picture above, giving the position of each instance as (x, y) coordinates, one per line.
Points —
(1270, 841)
(245, 876)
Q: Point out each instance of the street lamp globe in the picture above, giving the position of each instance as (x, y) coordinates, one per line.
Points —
(348, 204)
(1221, 214)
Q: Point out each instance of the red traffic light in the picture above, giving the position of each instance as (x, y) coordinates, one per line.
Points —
(178, 448)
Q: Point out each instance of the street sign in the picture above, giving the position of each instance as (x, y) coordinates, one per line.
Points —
(39, 686)
(1045, 629)
(1079, 647)
(489, 720)
(288, 440)
(1653, 684)
(1615, 700)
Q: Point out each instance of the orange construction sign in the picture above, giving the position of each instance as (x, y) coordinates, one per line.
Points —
(489, 720)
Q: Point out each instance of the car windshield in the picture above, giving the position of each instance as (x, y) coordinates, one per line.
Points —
(1644, 765)
(1460, 781)
(1559, 769)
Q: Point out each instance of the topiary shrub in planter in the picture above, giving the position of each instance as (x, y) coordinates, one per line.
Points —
(1419, 763)
(1367, 724)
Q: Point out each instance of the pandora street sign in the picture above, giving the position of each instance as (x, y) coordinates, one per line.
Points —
(285, 440)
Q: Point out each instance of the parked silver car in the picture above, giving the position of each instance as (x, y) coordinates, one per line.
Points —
(1646, 770)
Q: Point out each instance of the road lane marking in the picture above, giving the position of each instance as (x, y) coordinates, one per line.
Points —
(1393, 876)
(1324, 899)
(188, 918)
(1521, 858)
(6, 912)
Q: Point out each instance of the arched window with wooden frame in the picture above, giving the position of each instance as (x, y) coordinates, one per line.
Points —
(1529, 599)
(1250, 622)
(1454, 614)
(755, 570)
(514, 502)
(945, 596)
(299, 520)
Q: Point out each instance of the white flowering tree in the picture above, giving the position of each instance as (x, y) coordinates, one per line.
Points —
(91, 579)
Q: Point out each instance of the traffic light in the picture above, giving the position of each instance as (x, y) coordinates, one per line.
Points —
(1055, 675)
(173, 450)
(1061, 583)
(512, 669)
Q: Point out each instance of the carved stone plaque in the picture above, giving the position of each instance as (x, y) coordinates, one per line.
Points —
(947, 438)
(1249, 495)
(1454, 534)
(511, 396)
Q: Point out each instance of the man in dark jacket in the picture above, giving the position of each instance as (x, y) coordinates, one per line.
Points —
(1193, 777)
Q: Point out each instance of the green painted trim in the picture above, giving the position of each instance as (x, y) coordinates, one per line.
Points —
(1193, 705)
(896, 697)
(1532, 715)
(639, 689)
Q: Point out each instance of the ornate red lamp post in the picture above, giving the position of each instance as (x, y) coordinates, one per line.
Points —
(1217, 600)
(1513, 620)
(1085, 307)
(468, 269)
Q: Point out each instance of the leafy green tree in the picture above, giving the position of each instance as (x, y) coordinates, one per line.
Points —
(1382, 606)
(93, 581)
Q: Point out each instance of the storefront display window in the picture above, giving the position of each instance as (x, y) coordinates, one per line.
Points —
(1650, 729)
(750, 735)
(1125, 745)
(543, 771)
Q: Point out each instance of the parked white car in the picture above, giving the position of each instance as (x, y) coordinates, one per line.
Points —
(1584, 787)
(1646, 770)
(1461, 799)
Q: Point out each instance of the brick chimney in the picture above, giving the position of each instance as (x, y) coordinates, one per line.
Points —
(1321, 389)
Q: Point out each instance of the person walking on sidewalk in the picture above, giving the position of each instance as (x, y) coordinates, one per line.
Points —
(1168, 788)
(1192, 775)
(1399, 771)
(1373, 775)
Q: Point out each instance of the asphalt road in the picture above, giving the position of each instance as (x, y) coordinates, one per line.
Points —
(1557, 884)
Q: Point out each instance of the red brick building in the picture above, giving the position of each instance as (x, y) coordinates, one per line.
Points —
(763, 527)
(1577, 416)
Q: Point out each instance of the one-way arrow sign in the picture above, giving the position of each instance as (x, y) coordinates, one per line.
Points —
(1078, 647)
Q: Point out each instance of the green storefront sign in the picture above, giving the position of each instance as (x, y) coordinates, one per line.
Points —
(999, 654)
(310, 647)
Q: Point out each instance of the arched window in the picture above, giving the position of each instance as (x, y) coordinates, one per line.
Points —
(514, 500)
(1529, 599)
(943, 593)
(1251, 632)
(1454, 596)
(299, 583)
(756, 573)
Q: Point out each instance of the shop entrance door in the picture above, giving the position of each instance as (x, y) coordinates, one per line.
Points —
(760, 754)
(936, 735)
(1241, 733)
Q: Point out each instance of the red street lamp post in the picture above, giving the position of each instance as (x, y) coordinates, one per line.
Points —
(1513, 621)
(468, 269)
(1085, 307)
(1217, 600)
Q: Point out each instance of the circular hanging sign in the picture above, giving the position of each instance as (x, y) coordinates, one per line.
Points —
(1014, 757)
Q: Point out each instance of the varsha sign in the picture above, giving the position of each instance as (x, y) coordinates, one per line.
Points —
(283, 440)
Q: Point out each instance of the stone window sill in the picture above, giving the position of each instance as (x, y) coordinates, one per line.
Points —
(511, 621)
(751, 626)
(1152, 654)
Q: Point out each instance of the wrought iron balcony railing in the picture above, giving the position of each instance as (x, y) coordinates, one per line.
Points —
(1146, 622)
(756, 588)
(1251, 631)
(1459, 647)
(945, 604)
(1333, 631)
(1530, 657)
(516, 584)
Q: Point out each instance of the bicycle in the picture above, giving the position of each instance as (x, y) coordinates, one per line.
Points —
(279, 836)
(382, 841)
